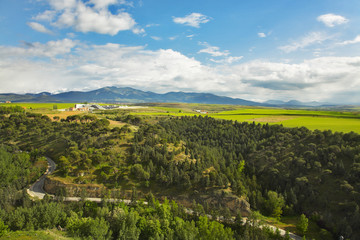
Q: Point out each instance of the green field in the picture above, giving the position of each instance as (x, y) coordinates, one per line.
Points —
(322, 120)
(39, 105)
(337, 121)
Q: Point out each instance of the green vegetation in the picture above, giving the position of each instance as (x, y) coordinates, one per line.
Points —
(321, 120)
(303, 224)
(49, 234)
(48, 106)
(212, 166)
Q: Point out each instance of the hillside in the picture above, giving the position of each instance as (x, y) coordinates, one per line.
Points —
(224, 166)
(125, 95)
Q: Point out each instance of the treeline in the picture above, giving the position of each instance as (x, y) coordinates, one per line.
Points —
(280, 171)
(89, 220)
(17, 171)
(11, 109)
(77, 143)
(287, 170)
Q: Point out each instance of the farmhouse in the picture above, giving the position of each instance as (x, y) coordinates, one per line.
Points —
(201, 111)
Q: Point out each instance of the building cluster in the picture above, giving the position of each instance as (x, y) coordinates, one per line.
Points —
(201, 111)
(91, 107)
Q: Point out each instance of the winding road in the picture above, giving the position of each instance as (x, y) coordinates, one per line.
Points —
(37, 191)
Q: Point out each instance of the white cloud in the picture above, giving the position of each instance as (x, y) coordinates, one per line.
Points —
(213, 50)
(103, 4)
(71, 35)
(48, 16)
(138, 30)
(50, 49)
(309, 39)
(156, 38)
(173, 38)
(91, 16)
(227, 60)
(190, 36)
(193, 19)
(67, 64)
(331, 20)
(356, 40)
(152, 25)
(39, 27)
(63, 4)
(261, 34)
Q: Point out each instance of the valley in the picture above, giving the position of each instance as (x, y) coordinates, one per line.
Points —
(202, 161)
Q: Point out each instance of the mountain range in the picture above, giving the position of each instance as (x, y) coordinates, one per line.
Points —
(131, 95)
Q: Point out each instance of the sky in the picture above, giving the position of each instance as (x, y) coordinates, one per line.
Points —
(255, 50)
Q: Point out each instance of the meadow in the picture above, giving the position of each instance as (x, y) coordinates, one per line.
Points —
(321, 120)
(336, 121)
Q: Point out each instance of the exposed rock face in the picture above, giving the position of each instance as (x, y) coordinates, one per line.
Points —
(57, 187)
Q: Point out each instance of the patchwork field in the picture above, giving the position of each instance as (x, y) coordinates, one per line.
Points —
(322, 120)
(338, 120)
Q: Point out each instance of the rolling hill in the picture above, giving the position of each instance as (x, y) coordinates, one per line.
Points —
(125, 95)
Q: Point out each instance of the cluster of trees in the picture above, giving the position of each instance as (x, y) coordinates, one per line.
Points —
(17, 170)
(287, 170)
(11, 109)
(77, 143)
(280, 171)
(89, 220)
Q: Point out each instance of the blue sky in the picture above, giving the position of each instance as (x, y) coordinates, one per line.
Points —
(256, 50)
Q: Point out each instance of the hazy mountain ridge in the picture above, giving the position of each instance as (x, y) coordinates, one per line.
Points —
(131, 95)
(125, 95)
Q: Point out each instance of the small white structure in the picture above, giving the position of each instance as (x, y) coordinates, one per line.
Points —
(201, 111)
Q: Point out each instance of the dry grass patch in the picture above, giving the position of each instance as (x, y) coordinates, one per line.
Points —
(63, 115)
(273, 119)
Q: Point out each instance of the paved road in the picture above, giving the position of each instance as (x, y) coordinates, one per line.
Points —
(37, 191)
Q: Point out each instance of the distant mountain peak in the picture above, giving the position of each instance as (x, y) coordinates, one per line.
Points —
(114, 94)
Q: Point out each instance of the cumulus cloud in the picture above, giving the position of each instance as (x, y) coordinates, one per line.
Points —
(331, 20)
(309, 39)
(262, 35)
(47, 15)
(222, 56)
(213, 50)
(66, 64)
(91, 16)
(355, 40)
(227, 60)
(193, 19)
(104, 4)
(39, 27)
(50, 49)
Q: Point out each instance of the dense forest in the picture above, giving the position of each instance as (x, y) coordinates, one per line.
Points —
(279, 171)
(89, 220)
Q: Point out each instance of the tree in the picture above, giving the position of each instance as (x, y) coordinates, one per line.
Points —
(274, 204)
(3, 228)
(303, 224)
